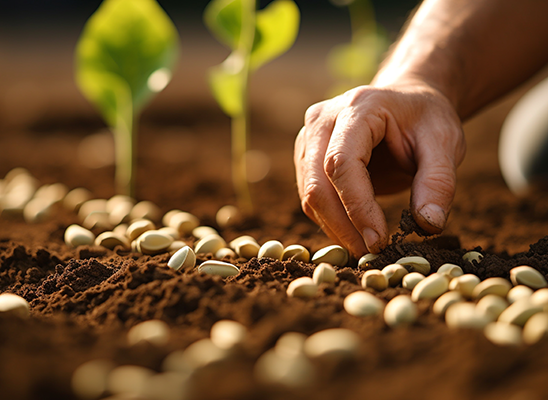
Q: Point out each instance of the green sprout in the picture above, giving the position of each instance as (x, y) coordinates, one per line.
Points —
(255, 37)
(356, 63)
(124, 56)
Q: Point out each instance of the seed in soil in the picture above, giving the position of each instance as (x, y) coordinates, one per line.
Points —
(110, 240)
(366, 259)
(431, 287)
(154, 242)
(155, 332)
(503, 334)
(90, 380)
(209, 244)
(13, 304)
(400, 311)
(411, 280)
(444, 301)
(465, 284)
(184, 222)
(363, 304)
(374, 279)
(528, 276)
(473, 256)
(519, 292)
(465, 315)
(536, 328)
(228, 216)
(450, 270)
(415, 264)
(221, 268)
(75, 236)
(492, 306)
(184, 258)
(227, 334)
(324, 273)
(303, 287)
(296, 252)
(335, 343)
(145, 210)
(137, 228)
(271, 249)
(497, 286)
(334, 255)
(519, 312)
(394, 273)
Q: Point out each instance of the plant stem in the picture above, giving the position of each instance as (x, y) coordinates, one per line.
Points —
(125, 144)
(240, 121)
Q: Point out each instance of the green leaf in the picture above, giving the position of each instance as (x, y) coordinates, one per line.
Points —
(132, 43)
(277, 29)
(227, 85)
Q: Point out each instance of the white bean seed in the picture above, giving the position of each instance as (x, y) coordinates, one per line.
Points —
(110, 240)
(201, 232)
(13, 304)
(492, 305)
(497, 286)
(223, 269)
(291, 344)
(154, 242)
(536, 328)
(362, 304)
(247, 248)
(293, 372)
(271, 249)
(75, 236)
(415, 264)
(137, 228)
(204, 352)
(228, 216)
(519, 292)
(89, 380)
(465, 284)
(37, 210)
(296, 252)
(97, 220)
(184, 222)
(374, 279)
(431, 287)
(145, 210)
(366, 259)
(225, 252)
(411, 280)
(401, 310)
(540, 297)
(334, 255)
(128, 380)
(394, 273)
(503, 334)
(450, 270)
(466, 316)
(338, 343)
(303, 287)
(183, 258)
(528, 276)
(227, 334)
(324, 273)
(166, 219)
(120, 212)
(92, 206)
(473, 256)
(519, 312)
(174, 233)
(445, 300)
(209, 244)
(154, 331)
(75, 198)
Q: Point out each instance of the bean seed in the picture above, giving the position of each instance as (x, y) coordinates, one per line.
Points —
(411, 280)
(303, 287)
(89, 380)
(466, 316)
(374, 279)
(37, 210)
(492, 305)
(128, 380)
(97, 220)
(92, 206)
(118, 199)
(290, 344)
(519, 312)
(335, 343)
(110, 240)
(201, 232)
(498, 286)
(223, 269)
(296, 252)
(145, 210)
(166, 219)
(54, 193)
(174, 233)
(177, 362)
(431, 287)
(415, 264)
(225, 252)
(247, 249)
(400, 311)
(137, 228)
(13, 304)
(120, 212)
(519, 292)
(540, 297)
(445, 300)
(394, 273)
(75, 198)
(473, 256)
(135, 246)
(121, 230)
(465, 284)
(184, 258)
(154, 242)
(227, 334)
(366, 259)
(75, 236)
(334, 255)
(271, 249)
(209, 244)
(503, 334)
(536, 328)
(204, 352)
(362, 304)
(154, 331)
(324, 273)
(294, 372)
(184, 222)
(176, 245)
(228, 216)
(15, 172)
(244, 238)
(528, 276)
(450, 270)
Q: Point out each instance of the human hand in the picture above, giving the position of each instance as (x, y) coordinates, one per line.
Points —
(418, 142)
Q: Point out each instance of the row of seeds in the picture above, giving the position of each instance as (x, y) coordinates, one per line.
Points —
(290, 362)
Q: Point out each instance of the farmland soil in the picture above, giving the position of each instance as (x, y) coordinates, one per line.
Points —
(84, 300)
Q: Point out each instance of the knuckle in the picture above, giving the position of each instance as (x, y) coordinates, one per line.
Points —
(313, 113)
(312, 197)
(336, 164)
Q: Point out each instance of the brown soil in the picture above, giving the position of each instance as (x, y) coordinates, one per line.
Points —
(84, 300)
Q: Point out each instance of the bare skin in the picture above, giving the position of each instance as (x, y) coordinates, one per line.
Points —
(404, 130)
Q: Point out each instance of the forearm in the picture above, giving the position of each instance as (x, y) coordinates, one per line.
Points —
(472, 51)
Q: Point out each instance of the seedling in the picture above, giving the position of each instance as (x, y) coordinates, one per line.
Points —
(255, 37)
(356, 63)
(124, 56)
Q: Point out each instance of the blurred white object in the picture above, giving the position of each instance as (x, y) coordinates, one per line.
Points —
(523, 146)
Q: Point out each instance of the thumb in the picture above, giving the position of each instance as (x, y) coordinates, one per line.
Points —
(433, 190)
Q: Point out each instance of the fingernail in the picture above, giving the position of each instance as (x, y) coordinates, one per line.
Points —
(434, 215)
(371, 238)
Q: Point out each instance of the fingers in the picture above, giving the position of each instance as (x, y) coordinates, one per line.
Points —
(346, 160)
(433, 188)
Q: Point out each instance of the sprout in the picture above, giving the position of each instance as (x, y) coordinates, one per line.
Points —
(255, 37)
(124, 56)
